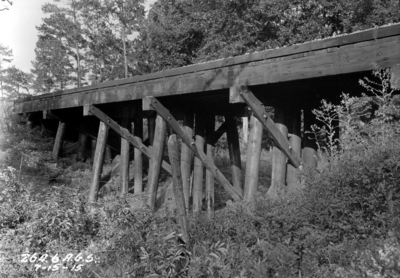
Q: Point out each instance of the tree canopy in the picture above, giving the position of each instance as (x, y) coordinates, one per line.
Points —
(178, 33)
(91, 42)
(106, 40)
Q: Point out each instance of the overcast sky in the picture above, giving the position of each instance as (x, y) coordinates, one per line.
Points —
(18, 29)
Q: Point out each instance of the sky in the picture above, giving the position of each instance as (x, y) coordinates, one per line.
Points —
(18, 29)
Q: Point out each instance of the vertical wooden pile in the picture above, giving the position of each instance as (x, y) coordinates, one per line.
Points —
(234, 152)
(58, 143)
(187, 158)
(82, 141)
(198, 171)
(210, 132)
(138, 160)
(278, 176)
(124, 171)
(156, 160)
(98, 161)
(294, 129)
(309, 145)
(174, 158)
(253, 159)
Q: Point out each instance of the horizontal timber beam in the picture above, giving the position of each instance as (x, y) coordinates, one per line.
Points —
(166, 115)
(259, 112)
(287, 64)
(123, 132)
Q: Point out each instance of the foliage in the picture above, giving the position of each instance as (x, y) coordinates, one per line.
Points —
(359, 174)
(5, 58)
(179, 33)
(57, 50)
(51, 66)
(85, 38)
(16, 83)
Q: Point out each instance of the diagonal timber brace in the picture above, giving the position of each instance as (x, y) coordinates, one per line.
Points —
(166, 115)
(259, 112)
(123, 132)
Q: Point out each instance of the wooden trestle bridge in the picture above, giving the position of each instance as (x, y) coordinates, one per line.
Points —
(291, 79)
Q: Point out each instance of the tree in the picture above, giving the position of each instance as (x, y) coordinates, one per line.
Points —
(178, 33)
(16, 82)
(104, 54)
(64, 24)
(5, 58)
(108, 25)
(168, 38)
(52, 68)
(128, 13)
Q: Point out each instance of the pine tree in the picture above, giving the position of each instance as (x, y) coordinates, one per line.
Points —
(52, 68)
(16, 83)
(65, 24)
(5, 58)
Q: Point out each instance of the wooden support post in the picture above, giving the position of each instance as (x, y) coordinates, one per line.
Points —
(278, 177)
(210, 130)
(156, 160)
(173, 152)
(309, 146)
(93, 148)
(253, 159)
(58, 141)
(85, 129)
(98, 161)
(108, 155)
(116, 170)
(138, 162)
(245, 129)
(294, 126)
(198, 152)
(123, 132)
(166, 115)
(82, 145)
(198, 165)
(124, 174)
(151, 127)
(234, 153)
(187, 158)
(279, 139)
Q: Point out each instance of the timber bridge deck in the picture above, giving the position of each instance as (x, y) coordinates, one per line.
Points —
(291, 79)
